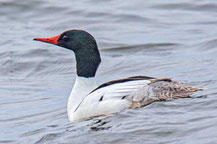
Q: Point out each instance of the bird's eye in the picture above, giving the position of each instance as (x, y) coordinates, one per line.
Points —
(65, 38)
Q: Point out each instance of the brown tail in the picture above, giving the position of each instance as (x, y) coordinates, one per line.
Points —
(162, 90)
(166, 89)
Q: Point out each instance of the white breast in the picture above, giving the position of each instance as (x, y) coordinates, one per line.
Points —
(106, 100)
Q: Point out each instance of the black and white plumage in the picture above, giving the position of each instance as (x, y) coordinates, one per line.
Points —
(87, 100)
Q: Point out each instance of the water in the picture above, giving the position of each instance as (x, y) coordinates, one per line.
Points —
(174, 39)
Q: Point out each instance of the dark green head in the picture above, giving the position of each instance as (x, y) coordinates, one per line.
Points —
(84, 46)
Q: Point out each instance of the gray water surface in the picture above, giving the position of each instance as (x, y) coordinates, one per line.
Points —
(175, 39)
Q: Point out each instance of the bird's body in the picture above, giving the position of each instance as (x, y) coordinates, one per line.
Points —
(87, 100)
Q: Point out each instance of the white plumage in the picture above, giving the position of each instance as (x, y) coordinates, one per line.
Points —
(107, 100)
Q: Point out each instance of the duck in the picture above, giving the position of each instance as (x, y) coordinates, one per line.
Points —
(88, 100)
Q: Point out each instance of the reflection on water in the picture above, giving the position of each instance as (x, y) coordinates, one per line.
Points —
(174, 39)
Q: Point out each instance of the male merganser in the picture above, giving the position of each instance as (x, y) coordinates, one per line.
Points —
(87, 100)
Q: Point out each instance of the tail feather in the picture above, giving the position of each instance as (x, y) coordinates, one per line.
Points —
(173, 89)
(162, 90)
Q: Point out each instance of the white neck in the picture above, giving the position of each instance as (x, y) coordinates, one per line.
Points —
(82, 87)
